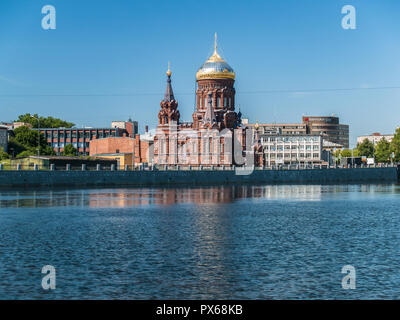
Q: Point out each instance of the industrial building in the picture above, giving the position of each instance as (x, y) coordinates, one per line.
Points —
(80, 138)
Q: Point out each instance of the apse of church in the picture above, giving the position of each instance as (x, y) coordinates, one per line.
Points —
(209, 139)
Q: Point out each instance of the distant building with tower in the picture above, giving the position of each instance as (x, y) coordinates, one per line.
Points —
(328, 127)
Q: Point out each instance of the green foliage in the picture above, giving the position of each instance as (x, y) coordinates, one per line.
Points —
(69, 150)
(337, 153)
(27, 141)
(14, 147)
(29, 138)
(47, 150)
(382, 151)
(365, 148)
(3, 155)
(44, 122)
(346, 153)
(26, 153)
(395, 145)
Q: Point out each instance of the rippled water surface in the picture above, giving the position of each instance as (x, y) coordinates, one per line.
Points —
(241, 242)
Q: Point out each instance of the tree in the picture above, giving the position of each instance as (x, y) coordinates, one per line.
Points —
(28, 137)
(69, 150)
(27, 153)
(44, 122)
(346, 153)
(14, 147)
(366, 149)
(3, 155)
(337, 154)
(30, 140)
(395, 145)
(382, 151)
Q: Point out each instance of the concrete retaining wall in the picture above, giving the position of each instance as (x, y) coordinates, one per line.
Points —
(12, 179)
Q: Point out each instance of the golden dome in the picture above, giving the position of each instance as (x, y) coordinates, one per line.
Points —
(169, 71)
(215, 67)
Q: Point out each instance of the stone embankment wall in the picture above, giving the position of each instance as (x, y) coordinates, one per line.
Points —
(12, 179)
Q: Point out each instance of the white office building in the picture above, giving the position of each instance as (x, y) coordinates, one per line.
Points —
(375, 138)
(293, 149)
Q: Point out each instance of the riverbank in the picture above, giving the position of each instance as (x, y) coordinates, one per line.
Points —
(29, 179)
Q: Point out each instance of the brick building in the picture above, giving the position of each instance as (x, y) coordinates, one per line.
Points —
(80, 138)
(126, 150)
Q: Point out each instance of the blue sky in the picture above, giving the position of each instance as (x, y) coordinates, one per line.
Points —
(107, 59)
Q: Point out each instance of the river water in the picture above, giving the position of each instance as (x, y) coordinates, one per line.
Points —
(236, 242)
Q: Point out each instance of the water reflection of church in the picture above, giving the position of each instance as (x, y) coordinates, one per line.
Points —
(209, 139)
(201, 195)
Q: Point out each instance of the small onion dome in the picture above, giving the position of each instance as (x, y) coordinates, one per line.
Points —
(169, 71)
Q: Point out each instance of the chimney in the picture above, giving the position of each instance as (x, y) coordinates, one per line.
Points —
(146, 129)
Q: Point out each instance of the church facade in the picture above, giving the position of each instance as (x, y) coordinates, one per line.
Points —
(216, 137)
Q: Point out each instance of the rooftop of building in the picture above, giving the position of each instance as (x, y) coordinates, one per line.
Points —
(276, 124)
(44, 157)
(328, 143)
(112, 154)
(377, 134)
(82, 128)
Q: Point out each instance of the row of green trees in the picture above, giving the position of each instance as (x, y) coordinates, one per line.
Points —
(382, 152)
(27, 142)
(43, 122)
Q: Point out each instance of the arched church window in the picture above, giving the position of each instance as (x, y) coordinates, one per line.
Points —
(218, 101)
(230, 102)
(225, 101)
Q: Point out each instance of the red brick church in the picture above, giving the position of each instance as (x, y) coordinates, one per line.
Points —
(216, 137)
